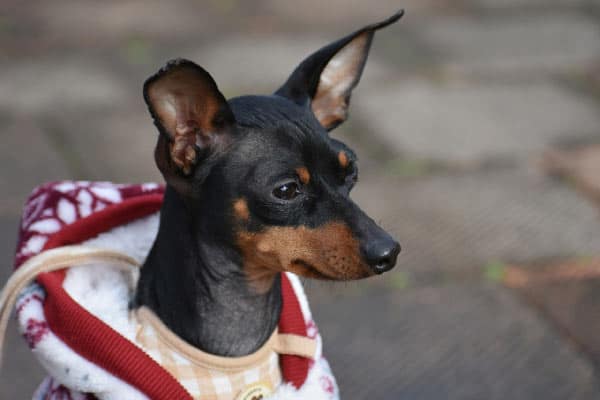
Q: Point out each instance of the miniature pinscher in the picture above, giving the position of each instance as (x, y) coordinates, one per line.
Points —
(255, 186)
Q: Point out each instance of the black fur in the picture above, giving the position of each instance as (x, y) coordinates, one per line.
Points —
(193, 278)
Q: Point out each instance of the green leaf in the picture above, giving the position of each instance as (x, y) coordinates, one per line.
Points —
(495, 271)
(399, 280)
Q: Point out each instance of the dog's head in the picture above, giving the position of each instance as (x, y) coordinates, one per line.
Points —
(262, 172)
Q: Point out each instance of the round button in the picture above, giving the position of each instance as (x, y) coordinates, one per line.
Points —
(258, 391)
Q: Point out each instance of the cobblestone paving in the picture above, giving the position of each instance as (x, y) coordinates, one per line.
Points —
(471, 121)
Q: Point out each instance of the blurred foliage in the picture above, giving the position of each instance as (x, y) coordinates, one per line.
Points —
(409, 168)
(137, 51)
(399, 280)
(495, 271)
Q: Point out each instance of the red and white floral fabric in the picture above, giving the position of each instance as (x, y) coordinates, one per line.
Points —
(82, 337)
(52, 206)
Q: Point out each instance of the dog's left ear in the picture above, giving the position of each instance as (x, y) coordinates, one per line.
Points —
(326, 78)
(192, 115)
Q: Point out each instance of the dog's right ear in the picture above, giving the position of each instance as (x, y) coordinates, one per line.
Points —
(326, 78)
(192, 115)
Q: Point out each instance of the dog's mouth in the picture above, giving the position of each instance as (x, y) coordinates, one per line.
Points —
(309, 270)
(304, 268)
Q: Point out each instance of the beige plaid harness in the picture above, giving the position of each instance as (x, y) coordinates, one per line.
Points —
(209, 377)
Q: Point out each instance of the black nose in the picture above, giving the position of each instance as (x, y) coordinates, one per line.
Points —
(381, 254)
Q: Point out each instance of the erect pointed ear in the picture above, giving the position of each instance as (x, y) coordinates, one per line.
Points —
(326, 78)
(191, 114)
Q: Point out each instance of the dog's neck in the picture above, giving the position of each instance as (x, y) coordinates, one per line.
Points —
(198, 289)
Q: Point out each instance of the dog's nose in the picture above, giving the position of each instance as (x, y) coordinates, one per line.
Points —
(381, 254)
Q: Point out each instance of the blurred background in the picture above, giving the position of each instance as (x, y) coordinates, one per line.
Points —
(477, 124)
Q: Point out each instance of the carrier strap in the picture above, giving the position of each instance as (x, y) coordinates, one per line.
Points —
(53, 260)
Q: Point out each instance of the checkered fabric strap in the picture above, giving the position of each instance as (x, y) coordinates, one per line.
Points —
(296, 345)
(280, 343)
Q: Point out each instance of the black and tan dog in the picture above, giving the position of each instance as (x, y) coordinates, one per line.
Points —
(255, 186)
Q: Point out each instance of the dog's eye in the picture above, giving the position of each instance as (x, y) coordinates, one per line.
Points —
(287, 191)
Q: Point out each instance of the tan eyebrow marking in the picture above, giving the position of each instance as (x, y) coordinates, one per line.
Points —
(240, 209)
(303, 174)
(343, 159)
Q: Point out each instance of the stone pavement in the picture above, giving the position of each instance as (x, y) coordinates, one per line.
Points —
(478, 127)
